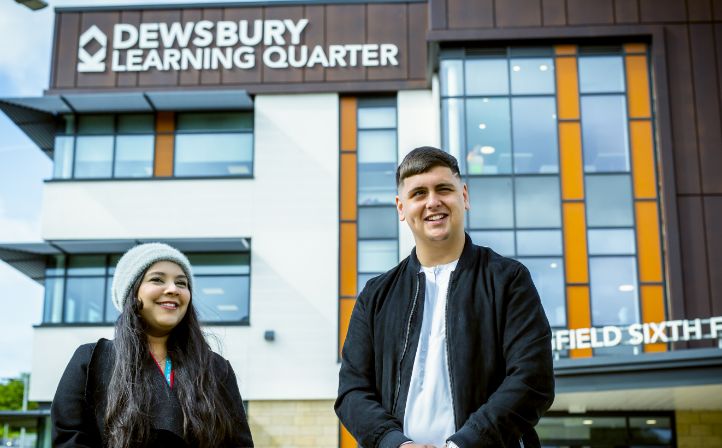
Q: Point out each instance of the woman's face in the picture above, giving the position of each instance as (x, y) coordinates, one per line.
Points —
(165, 296)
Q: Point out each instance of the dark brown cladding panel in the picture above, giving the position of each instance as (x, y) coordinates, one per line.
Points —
(585, 12)
(626, 11)
(67, 47)
(707, 102)
(713, 224)
(663, 11)
(513, 13)
(470, 14)
(681, 98)
(694, 257)
(438, 18)
(699, 10)
(401, 24)
(554, 12)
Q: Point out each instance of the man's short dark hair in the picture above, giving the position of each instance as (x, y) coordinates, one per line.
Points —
(422, 160)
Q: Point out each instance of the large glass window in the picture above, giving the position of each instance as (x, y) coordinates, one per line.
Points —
(214, 144)
(78, 288)
(500, 117)
(377, 158)
(104, 146)
(636, 430)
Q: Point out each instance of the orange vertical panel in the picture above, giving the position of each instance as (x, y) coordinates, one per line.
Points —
(645, 186)
(565, 50)
(635, 48)
(164, 143)
(638, 87)
(572, 171)
(579, 314)
(345, 308)
(653, 311)
(348, 186)
(347, 440)
(575, 243)
(567, 88)
(648, 245)
(348, 123)
(349, 268)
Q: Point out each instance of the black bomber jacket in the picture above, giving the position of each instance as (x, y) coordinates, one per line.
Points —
(499, 353)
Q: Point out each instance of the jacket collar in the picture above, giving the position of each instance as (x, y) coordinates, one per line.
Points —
(464, 260)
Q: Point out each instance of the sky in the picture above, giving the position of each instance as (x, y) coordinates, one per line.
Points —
(25, 44)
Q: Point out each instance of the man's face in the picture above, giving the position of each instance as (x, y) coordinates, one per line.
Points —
(433, 204)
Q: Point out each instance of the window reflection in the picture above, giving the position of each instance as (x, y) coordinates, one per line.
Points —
(222, 298)
(548, 277)
(613, 290)
(535, 135)
(609, 201)
(488, 136)
(377, 255)
(376, 117)
(378, 222)
(611, 242)
(500, 241)
(84, 299)
(604, 133)
(532, 75)
(539, 242)
(486, 76)
(537, 202)
(376, 183)
(452, 116)
(491, 203)
(134, 156)
(63, 157)
(213, 154)
(601, 74)
(93, 157)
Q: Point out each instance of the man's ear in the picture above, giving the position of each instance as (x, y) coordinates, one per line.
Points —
(467, 204)
(400, 209)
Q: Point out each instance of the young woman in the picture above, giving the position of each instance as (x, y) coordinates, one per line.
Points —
(157, 384)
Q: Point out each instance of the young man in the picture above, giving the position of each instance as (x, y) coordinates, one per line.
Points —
(451, 347)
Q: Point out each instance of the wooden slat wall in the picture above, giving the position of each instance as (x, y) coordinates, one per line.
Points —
(692, 32)
(404, 24)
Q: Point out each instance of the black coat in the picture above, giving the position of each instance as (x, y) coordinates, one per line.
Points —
(498, 344)
(78, 409)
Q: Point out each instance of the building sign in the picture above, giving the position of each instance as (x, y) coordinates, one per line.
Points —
(638, 334)
(207, 45)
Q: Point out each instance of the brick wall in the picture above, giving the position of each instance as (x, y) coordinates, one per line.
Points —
(277, 424)
(699, 429)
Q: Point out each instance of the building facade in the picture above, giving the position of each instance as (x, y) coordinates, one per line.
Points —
(262, 140)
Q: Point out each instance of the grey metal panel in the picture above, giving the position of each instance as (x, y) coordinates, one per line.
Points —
(51, 104)
(94, 246)
(108, 102)
(207, 245)
(201, 100)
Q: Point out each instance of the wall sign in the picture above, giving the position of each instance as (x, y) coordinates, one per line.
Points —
(207, 45)
(638, 334)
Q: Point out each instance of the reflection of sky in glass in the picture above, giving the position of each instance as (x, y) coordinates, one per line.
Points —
(376, 146)
(609, 200)
(601, 74)
(93, 157)
(500, 241)
(452, 116)
(486, 77)
(491, 203)
(377, 256)
(611, 242)
(376, 117)
(537, 202)
(377, 222)
(532, 75)
(221, 298)
(134, 156)
(604, 133)
(614, 290)
(452, 82)
(535, 135)
(488, 131)
(539, 242)
(548, 277)
(376, 183)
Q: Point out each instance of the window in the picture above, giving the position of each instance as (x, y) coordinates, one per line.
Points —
(378, 229)
(105, 146)
(208, 144)
(545, 137)
(214, 144)
(611, 429)
(78, 288)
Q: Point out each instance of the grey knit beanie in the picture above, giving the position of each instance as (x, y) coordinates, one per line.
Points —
(134, 262)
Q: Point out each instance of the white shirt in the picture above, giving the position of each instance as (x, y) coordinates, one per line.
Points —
(429, 416)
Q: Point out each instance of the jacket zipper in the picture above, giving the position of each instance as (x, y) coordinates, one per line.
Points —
(406, 342)
(448, 349)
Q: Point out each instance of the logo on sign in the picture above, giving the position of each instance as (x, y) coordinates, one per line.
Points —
(95, 62)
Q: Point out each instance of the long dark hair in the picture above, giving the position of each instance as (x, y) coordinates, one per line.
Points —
(206, 417)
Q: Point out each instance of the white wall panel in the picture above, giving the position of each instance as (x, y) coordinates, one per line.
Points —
(289, 210)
